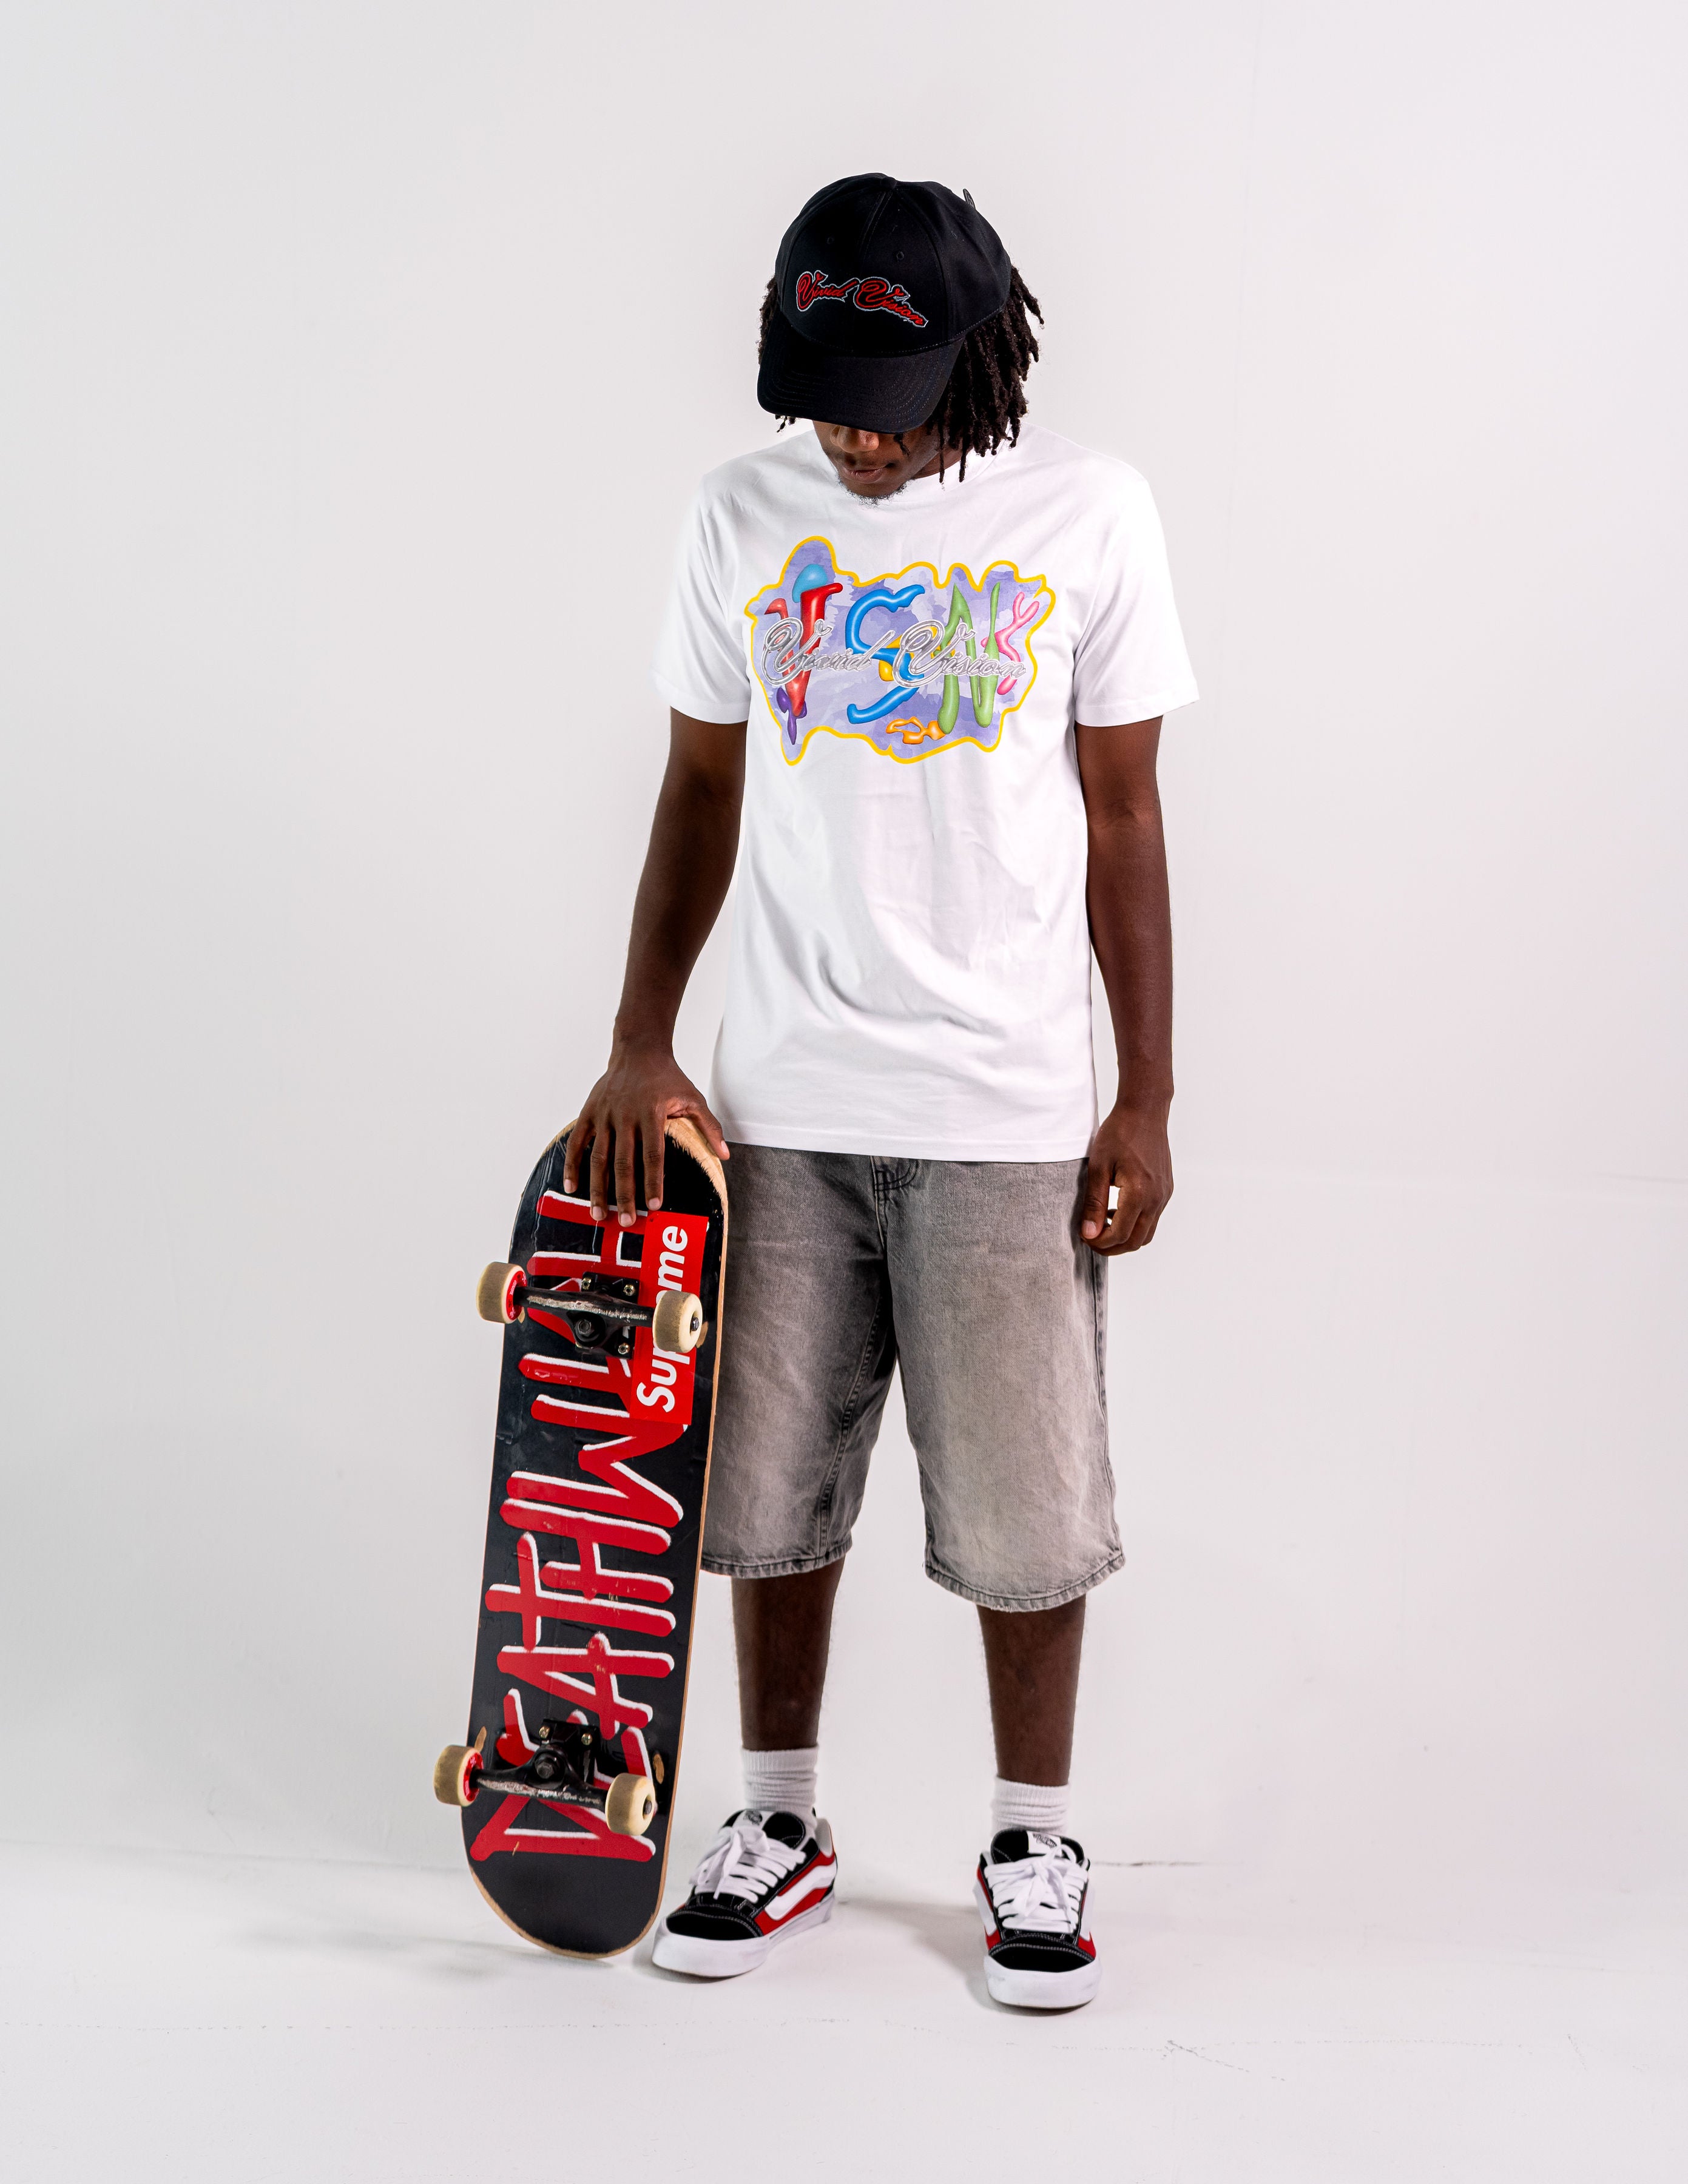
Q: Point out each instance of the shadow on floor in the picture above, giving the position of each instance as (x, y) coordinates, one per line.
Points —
(422, 1949)
(949, 1931)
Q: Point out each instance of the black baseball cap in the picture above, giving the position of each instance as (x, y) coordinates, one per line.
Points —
(879, 283)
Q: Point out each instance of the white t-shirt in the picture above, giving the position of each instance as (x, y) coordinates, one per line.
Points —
(910, 958)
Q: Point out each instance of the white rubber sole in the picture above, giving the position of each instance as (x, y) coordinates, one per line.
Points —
(1035, 1989)
(706, 1960)
(1043, 1990)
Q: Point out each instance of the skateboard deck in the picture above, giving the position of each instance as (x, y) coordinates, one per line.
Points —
(600, 1468)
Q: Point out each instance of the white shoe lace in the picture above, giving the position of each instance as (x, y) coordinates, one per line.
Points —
(1041, 1893)
(742, 1861)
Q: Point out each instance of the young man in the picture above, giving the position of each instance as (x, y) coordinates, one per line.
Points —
(922, 656)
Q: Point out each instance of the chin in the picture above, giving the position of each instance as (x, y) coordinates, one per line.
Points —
(882, 492)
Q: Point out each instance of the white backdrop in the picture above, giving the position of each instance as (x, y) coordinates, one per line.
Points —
(349, 349)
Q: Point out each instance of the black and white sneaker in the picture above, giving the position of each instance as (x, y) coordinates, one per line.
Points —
(1033, 1894)
(764, 1876)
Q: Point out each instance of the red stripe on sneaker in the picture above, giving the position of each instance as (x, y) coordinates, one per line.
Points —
(805, 1887)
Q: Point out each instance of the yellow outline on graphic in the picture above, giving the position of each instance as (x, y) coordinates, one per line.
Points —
(855, 735)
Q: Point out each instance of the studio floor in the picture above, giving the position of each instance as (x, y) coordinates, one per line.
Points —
(252, 2019)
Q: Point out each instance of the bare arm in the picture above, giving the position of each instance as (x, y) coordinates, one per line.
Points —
(1131, 930)
(687, 869)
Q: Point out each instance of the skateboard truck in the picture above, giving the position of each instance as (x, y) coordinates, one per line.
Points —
(600, 1312)
(561, 1771)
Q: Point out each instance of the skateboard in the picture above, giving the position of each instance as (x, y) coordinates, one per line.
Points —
(600, 1467)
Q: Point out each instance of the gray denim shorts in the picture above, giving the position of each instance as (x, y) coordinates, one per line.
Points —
(971, 1277)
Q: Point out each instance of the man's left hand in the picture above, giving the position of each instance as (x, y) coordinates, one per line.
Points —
(1129, 1151)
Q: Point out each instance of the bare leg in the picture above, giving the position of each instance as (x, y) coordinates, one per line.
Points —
(781, 1628)
(1031, 1663)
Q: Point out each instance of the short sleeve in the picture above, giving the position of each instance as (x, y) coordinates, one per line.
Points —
(699, 666)
(1130, 663)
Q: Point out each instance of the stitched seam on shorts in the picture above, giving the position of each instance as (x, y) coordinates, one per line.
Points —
(847, 1418)
(772, 1565)
(1098, 1273)
(890, 1173)
(881, 1193)
(1057, 1597)
(1099, 1299)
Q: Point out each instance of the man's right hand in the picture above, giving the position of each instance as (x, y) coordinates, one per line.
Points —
(642, 1087)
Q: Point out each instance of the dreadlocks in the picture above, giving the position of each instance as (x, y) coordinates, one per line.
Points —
(980, 407)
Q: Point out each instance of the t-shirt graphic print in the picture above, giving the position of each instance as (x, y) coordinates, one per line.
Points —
(885, 658)
(909, 971)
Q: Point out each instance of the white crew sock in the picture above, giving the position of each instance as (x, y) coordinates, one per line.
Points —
(782, 1781)
(1034, 1806)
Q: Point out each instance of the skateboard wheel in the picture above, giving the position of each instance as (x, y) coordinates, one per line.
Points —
(631, 1804)
(677, 1323)
(457, 1774)
(498, 1294)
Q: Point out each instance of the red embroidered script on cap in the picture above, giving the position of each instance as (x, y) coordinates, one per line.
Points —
(868, 292)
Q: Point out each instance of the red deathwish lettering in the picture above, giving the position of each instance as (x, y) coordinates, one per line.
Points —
(591, 1835)
(642, 1404)
(617, 1599)
(587, 1676)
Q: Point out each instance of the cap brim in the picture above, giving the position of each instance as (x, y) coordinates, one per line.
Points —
(873, 393)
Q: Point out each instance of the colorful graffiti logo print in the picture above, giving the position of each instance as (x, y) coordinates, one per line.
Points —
(910, 663)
